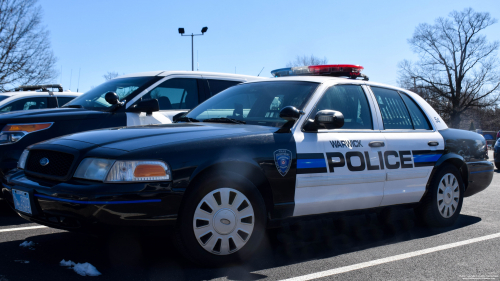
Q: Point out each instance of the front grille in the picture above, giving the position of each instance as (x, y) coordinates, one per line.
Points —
(58, 166)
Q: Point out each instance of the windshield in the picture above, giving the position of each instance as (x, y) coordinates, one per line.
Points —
(94, 99)
(255, 103)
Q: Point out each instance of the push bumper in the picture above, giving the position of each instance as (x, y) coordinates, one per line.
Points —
(97, 207)
(480, 177)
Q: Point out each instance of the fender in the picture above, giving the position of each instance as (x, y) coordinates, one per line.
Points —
(455, 159)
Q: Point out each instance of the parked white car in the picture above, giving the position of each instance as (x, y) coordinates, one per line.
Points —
(35, 97)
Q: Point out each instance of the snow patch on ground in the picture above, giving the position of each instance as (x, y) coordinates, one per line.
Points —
(66, 263)
(84, 269)
(28, 244)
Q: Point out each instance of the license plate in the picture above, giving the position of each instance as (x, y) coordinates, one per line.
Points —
(21, 201)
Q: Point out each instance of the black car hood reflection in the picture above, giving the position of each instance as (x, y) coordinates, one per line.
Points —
(52, 114)
(138, 137)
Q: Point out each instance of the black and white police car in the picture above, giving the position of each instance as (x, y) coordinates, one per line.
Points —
(136, 99)
(255, 154)
(29, 97)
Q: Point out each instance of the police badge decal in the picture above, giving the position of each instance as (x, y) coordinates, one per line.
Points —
(283, 160)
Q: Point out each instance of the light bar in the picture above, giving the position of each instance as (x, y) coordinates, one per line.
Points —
(337, 70)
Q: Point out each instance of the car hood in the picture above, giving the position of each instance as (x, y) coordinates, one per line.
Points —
(52, 114)
(138, 137)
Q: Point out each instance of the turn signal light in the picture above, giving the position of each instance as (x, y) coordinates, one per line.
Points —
(148, 170)
(26, 127)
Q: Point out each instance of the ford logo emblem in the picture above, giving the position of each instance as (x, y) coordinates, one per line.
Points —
(44, 161)
(225, 221)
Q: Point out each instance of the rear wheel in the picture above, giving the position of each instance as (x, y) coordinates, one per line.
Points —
(222, 221)
(442, 204)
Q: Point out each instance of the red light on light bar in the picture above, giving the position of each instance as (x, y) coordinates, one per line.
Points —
(351, 69)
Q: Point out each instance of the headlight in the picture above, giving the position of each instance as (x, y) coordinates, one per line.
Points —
(22, 160)
(93, 169)
(122, 171)
(139, 171)
(12, 133)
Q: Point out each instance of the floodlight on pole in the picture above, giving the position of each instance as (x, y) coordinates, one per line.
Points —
(181, 32)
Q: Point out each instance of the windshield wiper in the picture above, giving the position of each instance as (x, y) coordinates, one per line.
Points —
(73, 106)
(224, 120)
(188, 119)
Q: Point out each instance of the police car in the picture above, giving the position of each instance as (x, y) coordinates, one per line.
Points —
(31, 97)
(304, 143)
(136, 99)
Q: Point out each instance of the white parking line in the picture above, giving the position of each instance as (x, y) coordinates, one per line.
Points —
(22, 228)
(389, 259)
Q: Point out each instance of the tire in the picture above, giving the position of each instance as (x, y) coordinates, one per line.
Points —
(442, 204)
(497, 164)
(204, 237)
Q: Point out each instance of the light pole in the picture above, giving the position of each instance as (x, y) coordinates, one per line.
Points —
(181, 32)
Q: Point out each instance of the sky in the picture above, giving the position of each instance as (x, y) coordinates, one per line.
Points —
(91, 37)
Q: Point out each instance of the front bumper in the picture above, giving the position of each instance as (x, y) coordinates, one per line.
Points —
(480, 177)
(97, 207)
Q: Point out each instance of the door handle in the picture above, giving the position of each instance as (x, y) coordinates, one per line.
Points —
(376, 144)
(433, 143)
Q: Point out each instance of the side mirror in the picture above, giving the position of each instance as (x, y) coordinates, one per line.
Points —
(147, 106)
(111, 98)
(177, 116)
(290, 113)
(325, 119)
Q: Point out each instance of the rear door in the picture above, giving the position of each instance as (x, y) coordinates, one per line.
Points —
(413, 146)
(341, 169)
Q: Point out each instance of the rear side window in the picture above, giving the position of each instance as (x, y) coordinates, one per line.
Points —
(351, 101)
(177, 93)
(393, 109)
(64, 100)
(417, 116)
(26, 104)
(217, 86)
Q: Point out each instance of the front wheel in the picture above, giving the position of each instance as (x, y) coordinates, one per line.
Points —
(442, 204)
(222, 221)
(497, 164)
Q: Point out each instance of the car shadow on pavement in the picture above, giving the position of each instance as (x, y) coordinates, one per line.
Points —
(133, 257)
(8, 217)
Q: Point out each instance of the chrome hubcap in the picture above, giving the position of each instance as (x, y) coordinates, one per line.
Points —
(448, 195)
(223, 221)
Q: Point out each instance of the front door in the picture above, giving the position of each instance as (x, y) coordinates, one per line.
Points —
(340, 169)
(174, 96)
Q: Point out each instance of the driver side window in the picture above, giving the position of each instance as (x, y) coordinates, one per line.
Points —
(177, 93)
(351, 101)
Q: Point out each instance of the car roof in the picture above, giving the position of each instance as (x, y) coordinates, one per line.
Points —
(33, 93)
(211, 74)
(324, 79)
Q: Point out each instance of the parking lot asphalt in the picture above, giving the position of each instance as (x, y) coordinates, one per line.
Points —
(351, 248)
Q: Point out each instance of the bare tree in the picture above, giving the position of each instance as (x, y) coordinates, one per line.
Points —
(110, 75)
(25, 53)
(457, 67)
(305, 61)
